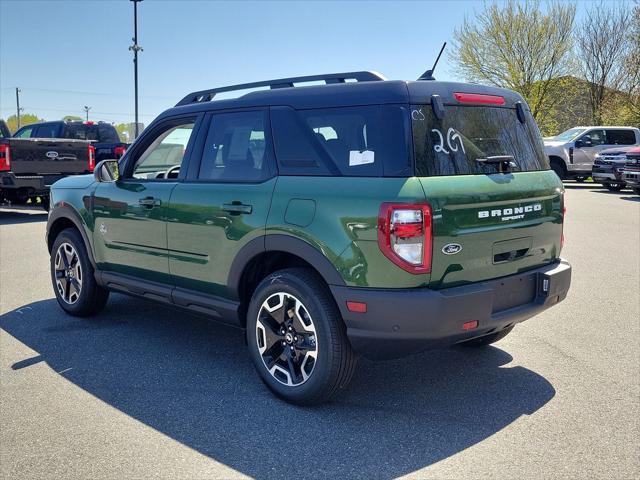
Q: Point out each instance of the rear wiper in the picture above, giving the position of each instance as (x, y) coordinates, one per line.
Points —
(505, 162)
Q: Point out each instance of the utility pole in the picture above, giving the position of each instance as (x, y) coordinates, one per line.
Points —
(86, 110)
(18, 109)
(135, 48)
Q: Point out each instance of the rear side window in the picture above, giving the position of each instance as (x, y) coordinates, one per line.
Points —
(621, 137)
(81, 131)
(368, 141)
(46, 131)
(107, 133)
(453, 145)
(237, 149)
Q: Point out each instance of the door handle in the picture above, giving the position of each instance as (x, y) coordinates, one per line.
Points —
(236, 208)
(149, 202)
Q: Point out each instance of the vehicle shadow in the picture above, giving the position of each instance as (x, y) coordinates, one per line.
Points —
(15, 215)
(193, 381)
(634, 198)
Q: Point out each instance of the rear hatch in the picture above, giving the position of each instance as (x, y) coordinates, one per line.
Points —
(496, 206)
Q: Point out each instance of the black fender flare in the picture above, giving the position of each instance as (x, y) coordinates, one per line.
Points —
(69, 213)
(286, 244)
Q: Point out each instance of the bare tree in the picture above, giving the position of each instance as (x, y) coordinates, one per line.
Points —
(605, 50)
(518, 45)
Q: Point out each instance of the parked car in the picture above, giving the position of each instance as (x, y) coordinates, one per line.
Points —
(4, 130)
(608, 166)
(104, 136)
(631, 172)
(29, 166)
(572, 153)
(365, 217)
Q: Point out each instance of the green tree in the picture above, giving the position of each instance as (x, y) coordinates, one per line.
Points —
(72, 118)
(520, 46)
(123, 129)
(25, 119)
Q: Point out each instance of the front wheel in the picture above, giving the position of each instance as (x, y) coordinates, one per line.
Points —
(76, 289)
(488, 339)
(614, 187)
(297, 339)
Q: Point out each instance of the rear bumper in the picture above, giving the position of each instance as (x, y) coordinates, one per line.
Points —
(399, 322)
(9, 181)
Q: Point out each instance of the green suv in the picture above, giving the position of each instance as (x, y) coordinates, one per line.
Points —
(355, 216)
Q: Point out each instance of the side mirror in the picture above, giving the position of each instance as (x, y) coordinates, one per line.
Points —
(585, 141)
(107, 171)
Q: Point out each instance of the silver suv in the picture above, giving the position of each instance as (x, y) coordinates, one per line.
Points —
(571, 154)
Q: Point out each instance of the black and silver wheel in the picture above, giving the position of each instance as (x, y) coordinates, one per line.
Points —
(68, 273)
(286, 338)
(72, 276)
(297, 339)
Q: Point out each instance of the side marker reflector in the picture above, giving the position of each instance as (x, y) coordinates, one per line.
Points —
(470, 325)
(357, 307)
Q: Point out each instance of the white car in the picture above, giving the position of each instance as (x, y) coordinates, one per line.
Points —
(571, 154)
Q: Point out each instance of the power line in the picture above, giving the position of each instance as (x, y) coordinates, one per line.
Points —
(81, 92)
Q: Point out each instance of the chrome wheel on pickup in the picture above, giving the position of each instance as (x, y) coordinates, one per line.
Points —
(68, 273)
(286, 338)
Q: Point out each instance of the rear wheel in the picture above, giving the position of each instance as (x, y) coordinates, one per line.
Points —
(488, 339)
(297, 339)
(76, 289)
(581, 179)
(614, 187)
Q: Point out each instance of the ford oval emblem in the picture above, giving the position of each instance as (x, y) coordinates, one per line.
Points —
(52, 154)
(451, 248)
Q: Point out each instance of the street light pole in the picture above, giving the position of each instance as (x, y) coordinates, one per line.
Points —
(18, 109)
(86, 110)
(135, 48)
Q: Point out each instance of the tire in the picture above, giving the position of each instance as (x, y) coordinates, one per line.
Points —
(614, 187)
(488, 339)
(323, 361)
(72, 276)
(44, 203)
(636, 191)
(581, 179)
(559, 169)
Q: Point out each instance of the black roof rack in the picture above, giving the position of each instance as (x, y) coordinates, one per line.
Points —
(207, 95)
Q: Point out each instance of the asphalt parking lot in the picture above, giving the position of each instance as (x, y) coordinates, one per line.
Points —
(142, 391)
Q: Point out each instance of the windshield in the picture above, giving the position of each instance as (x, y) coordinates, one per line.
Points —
(466, 137)
(569, 134)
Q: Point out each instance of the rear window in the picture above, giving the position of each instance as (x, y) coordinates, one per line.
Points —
(80, 131)
(366, 141)
(453, 145)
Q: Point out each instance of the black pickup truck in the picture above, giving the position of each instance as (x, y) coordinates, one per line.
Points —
(29, 166)
(103, 136)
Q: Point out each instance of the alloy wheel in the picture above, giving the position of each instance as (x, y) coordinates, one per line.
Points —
(286, 338)
(68, 273)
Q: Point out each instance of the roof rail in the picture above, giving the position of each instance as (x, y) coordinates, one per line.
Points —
(207, 95)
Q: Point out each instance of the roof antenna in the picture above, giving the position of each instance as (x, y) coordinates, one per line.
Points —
(428, 75)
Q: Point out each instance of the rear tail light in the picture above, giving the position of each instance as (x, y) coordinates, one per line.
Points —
(119, 151)
(5, 158)
(92, 157)
(479, 98)
(405, 235)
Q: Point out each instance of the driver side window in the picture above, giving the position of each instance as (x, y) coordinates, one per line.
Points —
(162, 159)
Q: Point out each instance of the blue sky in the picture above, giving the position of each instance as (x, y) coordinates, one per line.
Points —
(67, 54)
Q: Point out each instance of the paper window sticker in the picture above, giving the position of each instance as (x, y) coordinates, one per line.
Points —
(357, 157)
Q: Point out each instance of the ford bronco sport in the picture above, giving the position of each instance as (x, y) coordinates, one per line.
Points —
(359, 217)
